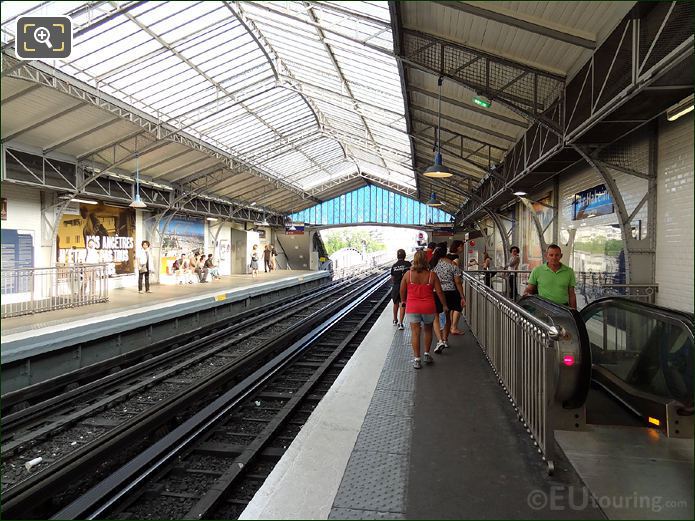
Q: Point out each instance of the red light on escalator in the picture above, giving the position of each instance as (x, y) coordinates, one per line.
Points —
(568, 360)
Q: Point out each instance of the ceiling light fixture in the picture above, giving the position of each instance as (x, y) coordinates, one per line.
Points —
(212, 219)
(482, 102)
(438, 169)
(680, 109)
(520, 193)
(434, 201)
(83, 201)
(137, 202)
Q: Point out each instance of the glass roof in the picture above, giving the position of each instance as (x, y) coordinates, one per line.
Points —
(304, 91)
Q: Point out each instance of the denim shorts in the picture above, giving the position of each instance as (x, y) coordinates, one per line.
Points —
(416, 318)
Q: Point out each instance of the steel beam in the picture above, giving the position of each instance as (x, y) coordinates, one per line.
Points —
(519, 23)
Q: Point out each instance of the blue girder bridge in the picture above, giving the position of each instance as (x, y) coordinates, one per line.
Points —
(371, 205)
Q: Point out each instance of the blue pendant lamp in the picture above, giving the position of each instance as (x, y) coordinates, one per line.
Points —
(438, 169)
(434, 202)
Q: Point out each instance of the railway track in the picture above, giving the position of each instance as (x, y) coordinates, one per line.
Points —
(212, 464)
(15, 403)
(112, 419)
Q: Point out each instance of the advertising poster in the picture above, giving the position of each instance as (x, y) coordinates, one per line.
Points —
(592, 202)
(17, 253)
(100, 233)
(224, 256)
(183, 235)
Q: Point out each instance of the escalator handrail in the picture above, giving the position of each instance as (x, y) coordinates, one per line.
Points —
(662, 313)
(672, 316)
(574, 326)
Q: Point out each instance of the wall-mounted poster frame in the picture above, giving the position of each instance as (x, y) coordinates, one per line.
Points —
(98, 233)
(591, 203)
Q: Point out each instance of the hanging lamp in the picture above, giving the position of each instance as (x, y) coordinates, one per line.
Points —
(137, 202)
(438, 169)
(434, 201)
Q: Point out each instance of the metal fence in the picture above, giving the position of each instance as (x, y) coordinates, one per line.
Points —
(590, 285)
(35, 290)
(522, 352)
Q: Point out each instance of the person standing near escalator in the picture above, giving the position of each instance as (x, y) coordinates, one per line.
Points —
(553, 281)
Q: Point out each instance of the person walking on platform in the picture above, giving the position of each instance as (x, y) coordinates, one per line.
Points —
(454, 255)
(397, 271)
(417, 295)
(266, 259)
(513, 265)
(254, 261)
(273, 258)
(431, 246)
(450, 279)
(144, 258)
(553, 281)
(487, 264)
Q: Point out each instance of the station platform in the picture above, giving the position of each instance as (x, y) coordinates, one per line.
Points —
(31, 335)
(392, 442)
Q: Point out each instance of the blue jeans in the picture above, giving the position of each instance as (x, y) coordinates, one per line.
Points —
(416, 318)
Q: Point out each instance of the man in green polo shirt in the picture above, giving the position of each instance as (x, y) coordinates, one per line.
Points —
(553, 281)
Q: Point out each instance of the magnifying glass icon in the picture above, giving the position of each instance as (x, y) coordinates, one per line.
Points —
(43, 35)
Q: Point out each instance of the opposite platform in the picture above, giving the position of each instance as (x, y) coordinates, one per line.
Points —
(392, 442)
(127, 309)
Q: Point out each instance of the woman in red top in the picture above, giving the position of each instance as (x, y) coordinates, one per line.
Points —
(417, 296)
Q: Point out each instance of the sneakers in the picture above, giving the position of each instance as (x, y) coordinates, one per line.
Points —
(428, 358)
(400, 326)
(440, 346)
(395, 322)
(416, 363)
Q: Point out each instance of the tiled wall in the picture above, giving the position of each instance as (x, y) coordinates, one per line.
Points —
(674, 230)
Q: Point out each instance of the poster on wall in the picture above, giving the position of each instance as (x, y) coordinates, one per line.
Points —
(224, 256)
(592, 202)
(99, 233)
(17, 253)
(184, 235)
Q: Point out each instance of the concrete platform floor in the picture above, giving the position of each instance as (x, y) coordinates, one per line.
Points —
(392, 442)
(128, 298)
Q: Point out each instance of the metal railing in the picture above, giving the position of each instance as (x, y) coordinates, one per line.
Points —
(522, 352)
(590, 285)
(35, 290)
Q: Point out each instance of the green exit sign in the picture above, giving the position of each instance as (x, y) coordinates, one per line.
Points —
(482, 102)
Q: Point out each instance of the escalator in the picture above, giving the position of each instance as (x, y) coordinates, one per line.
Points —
(634, 452)
(641, 357)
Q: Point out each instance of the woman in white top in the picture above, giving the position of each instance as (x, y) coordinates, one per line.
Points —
(144, 263)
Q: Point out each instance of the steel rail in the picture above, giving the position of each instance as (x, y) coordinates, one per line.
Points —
(101, 370)
(39, 487)
(117, 485)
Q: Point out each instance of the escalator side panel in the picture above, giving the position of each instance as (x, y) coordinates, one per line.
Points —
(642, 354)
